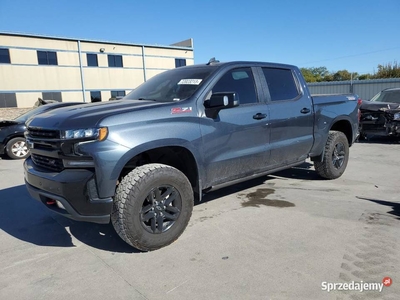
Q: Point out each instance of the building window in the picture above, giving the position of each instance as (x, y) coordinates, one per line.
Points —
(115, 61)
(47, 58)
(95, 96)
(5, 56)
(115, 94)
(8, 100)
(92, 60)
(180, 62)
(56, 96)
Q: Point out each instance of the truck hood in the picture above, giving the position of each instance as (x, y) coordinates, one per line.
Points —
(378, 106)
(87, 116)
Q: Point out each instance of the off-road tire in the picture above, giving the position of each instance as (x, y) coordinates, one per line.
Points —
(135, 200)
(336, 156)
(17, 149)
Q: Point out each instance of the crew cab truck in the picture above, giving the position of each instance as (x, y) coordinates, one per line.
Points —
(143, 160)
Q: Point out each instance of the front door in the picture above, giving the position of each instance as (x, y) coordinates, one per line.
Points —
(235, 143)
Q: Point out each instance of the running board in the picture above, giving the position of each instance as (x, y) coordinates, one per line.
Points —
(222, 185)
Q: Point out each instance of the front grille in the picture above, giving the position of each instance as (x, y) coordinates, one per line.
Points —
(43, 133)
(50, 163)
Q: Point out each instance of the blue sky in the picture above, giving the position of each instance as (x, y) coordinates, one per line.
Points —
(352, 35)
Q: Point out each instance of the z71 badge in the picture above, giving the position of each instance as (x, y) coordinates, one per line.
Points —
(180, 110)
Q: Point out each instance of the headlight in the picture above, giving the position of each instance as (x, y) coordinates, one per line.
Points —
(89, 133)
(396, 116)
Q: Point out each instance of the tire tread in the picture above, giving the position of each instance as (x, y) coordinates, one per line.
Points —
(325, 168)
(130, 186)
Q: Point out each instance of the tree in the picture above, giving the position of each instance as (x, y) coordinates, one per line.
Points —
(328, 77)
(314, 74)
(365, 77)
(318, 74)
(341, 75)
(308, 75)
(390, 70)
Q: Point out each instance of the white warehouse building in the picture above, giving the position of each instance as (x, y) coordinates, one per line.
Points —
(64, 69)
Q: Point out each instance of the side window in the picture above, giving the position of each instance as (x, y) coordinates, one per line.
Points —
(281, 84)
(95, 96)
(92, 60)
(52, 96)
(8, 100)
(179, 62)
(47, 58)
(115, 61)
(115, 94)
(240, 81)
(4, 56)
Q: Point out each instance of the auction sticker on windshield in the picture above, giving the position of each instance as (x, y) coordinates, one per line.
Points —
(190, 81)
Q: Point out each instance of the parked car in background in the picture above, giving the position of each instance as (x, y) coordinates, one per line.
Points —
(12, 140)
(381, 115)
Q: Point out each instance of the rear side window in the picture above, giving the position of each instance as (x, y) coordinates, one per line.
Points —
(281, 84)
(240, 81)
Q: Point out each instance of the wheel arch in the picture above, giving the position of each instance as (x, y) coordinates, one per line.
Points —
(340, 124)
(344, 126)
(172, 154)
(13, 136)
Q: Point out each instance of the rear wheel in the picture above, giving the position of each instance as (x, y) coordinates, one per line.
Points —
(17, 149)
(335, 157)
(152, 206)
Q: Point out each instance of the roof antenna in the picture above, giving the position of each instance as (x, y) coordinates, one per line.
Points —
(212, 61)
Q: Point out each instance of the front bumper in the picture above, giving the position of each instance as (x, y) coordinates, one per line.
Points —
(74, 189)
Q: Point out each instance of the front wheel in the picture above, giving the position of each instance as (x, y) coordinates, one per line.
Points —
(152, 206)
(17, 149)
(335, 157)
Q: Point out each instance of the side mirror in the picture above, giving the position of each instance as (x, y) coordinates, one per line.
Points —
(218, 101)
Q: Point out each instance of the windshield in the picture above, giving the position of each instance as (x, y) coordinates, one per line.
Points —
(24, 117)
(173, 85)
(387, 96)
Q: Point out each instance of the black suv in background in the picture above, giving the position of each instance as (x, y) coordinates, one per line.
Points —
(381, 115)
(12, 140)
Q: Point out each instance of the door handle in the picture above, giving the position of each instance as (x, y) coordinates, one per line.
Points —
(259, 116)
(305, 110)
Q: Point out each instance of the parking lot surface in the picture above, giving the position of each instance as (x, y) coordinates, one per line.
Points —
(275, 237)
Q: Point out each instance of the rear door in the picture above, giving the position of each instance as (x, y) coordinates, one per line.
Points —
(235, 143)
(290, 116)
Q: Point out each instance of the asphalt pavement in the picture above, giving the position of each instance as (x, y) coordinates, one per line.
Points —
(276, 237)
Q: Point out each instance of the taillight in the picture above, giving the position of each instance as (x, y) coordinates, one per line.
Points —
(359, 102)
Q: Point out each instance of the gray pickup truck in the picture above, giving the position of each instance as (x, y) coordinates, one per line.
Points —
(143, 160)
